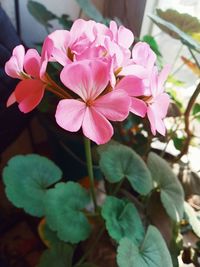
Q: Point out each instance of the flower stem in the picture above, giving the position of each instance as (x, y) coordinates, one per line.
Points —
(90, 170)
(188, 110)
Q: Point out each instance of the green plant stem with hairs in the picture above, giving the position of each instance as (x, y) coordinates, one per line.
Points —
(88, 154)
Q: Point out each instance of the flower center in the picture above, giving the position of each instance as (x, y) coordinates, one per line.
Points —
(89, 103)
(147, 99)
(70, 54)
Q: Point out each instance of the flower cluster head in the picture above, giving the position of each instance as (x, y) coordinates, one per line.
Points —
(103, 80)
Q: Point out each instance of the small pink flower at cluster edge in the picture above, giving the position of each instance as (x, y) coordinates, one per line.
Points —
(103, 80)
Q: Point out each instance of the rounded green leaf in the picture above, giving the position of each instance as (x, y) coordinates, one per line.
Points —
(192, 218)
(64, 205)
(183, 21)
(175, 32)
(152, 252)
(27, 178)
(119, 161)
(59, 255)
(171, 191)
(122, 219)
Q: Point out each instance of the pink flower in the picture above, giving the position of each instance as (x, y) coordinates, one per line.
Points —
(148, 97)
(122, 36)
(68, 44)
(30, 68)
(142, 62)
(135, 88)
(93, 108)
(14, 66)
(91, 40)
(143, 55)
(158, 102)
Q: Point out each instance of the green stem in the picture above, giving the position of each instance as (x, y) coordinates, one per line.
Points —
(90, 170)
(194, 57)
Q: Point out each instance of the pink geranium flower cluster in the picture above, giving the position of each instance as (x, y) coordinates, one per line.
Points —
(103, 80)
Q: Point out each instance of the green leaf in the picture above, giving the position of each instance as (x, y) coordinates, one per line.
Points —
(118, 162)
(184, 22)
(171, 191)
(196, 109)
(65, 21)
(90, 10)
(191, 217)
(60, 255)
(178, 142)
(27, 179)
(64, 205)
(152, 252)
(175, 32)
(122, 219)
(153, 44)
(172, 79)
(40, 13)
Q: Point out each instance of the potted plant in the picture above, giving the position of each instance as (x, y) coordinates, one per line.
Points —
(134, 215)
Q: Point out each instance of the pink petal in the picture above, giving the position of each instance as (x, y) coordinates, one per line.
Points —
(77, 29)
(14, 66)
(135, 70)
(78, 78)
(18, 53)
(114, 105)
(32, 63)
(114, 50)
(92, 53)
(125, 37)
(160, 126)
(152, 120)
(69, 114)
(138, 107)
(143, 55)
(102, 31)
(156, 122)
(28, 94)
(60, 56)
(163, 77)
(100, 77)
(61, 41)
(96, 127)
(154, 82)
(161, 105)
(91, 78)
(47, 50)
(11, 100)
(157, 80)
(113, 28)
(133, 85)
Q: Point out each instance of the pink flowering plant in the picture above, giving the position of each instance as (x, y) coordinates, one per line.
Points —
(101, 81)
